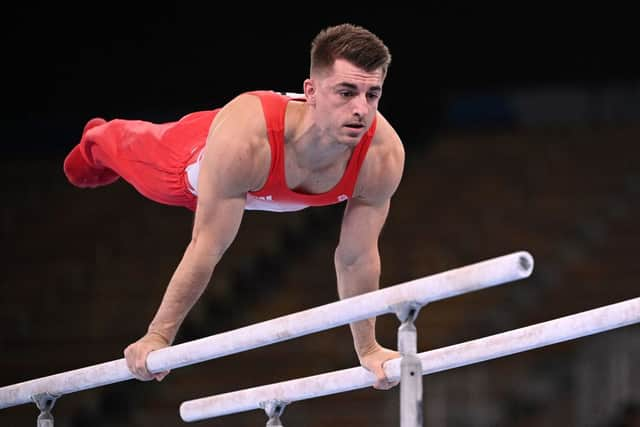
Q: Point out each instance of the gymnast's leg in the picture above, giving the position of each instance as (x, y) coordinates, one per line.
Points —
(151, 157)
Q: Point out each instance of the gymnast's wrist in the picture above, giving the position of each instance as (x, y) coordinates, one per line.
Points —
(157, 334)
(367, 349)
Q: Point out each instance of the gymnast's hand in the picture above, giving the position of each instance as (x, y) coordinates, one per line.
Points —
(373, 360)
(136, 356)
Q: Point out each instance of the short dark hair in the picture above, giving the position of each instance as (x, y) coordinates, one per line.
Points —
(353, 43)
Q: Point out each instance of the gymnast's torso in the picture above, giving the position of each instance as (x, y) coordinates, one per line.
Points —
(275, 195)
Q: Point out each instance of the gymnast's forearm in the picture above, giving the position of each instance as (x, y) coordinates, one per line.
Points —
(185, 288)
(360, 277)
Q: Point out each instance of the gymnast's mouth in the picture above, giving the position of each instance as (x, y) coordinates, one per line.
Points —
(355, 125)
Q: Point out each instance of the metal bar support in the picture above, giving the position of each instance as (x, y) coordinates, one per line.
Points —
(410, 365)
(274, 409)
(44, 402)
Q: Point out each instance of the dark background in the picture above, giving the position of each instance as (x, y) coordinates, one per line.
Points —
(64, 64)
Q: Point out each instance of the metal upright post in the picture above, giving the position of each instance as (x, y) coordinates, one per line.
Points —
(274, 409)
(44, 402)
(410, 366)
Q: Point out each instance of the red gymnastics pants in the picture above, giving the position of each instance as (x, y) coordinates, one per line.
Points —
(151, 157)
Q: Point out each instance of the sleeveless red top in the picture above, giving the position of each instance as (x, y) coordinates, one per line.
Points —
(275, 195)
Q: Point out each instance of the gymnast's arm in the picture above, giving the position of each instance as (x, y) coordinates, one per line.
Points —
(227, 172)
(357, 257)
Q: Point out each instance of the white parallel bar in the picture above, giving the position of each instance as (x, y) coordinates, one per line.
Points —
(484, 274)
(516, 341)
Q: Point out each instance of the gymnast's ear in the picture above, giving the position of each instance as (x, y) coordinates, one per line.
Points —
(310, 91)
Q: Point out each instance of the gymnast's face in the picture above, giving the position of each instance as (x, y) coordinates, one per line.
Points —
(344, 100)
